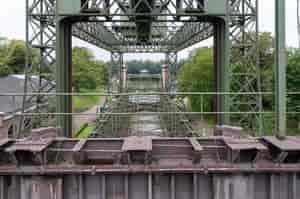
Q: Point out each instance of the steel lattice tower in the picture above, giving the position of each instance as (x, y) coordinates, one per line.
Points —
(174, 26)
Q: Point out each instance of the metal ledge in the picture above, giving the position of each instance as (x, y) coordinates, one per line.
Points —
(161, 152)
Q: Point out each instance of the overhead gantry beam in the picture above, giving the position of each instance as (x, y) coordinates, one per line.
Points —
(190, 34)
(96, 34)
(105, 37)
(93, 30)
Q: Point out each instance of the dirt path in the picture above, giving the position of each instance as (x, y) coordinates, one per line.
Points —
(79, 120)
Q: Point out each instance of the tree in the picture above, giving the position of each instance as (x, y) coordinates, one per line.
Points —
(13, 55)
(196, 75)
(4, 67)
(16, 55)
(88, 73)
(293, 85)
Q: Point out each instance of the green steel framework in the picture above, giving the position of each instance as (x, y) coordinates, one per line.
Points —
(298, 21)
(174, 25)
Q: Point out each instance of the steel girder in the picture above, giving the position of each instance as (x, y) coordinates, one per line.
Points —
(100, 32)
(41, 35)
(101, 25)
(173, 39)
(280, 69)
(180, 24)
(190, 34)
(244, 72)
(182, 34)
(172, 63)
(87, 32)
(117, 61)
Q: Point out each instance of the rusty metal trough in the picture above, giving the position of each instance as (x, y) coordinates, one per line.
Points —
(150, 168)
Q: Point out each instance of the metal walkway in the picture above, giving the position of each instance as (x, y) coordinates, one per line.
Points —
(141, 114)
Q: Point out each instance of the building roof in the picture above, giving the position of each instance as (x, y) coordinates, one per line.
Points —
(15, 84)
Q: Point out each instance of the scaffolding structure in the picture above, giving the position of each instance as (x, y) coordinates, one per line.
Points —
(156, 26)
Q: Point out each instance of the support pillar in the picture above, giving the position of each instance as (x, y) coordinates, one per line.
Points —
(164, 77)
(171, 63)
(64, 76)
(221, 62)
(124, 77)
(117, 61)
(280, 68)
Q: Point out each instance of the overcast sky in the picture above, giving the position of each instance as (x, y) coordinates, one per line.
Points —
(12, 25)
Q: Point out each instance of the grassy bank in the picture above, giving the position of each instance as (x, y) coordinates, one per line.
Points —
(85, 130)
(83, 103)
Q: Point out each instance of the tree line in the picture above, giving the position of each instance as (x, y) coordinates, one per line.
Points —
(88, 72)
(197, 75)
(12, 56)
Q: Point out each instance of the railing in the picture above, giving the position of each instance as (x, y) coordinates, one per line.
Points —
(259, 121)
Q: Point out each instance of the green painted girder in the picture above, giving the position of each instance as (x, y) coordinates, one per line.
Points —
(190, 34)
(145, 38)
(143, 23)
(96, 34)
(280, 68)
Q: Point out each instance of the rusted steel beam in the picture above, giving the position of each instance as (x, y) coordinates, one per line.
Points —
(152, 185)
(153, 152)
(244, 150)
(283, 150)
(56, 170)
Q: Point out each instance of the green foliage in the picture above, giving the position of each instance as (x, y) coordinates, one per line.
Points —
(13, 55)
(88, 73)
(196, 75)
(293, 85)
(16, 59)
(85, 130)
(4, 68)
(4, 58)
(83, 103)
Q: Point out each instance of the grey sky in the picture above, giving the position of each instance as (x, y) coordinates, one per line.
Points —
(12, 25)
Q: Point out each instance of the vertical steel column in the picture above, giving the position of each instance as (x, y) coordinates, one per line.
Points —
(171, 61)
(221, 62)
(258, 69)
(124, 74)
(280, 70)
(244, 68)
(117, 60)
(40, 35)
(120, 65)
(64, 76)
(164, 77)
(27, 68)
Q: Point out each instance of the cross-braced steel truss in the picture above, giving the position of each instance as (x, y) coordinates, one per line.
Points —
(244, 71)
(122, 26)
